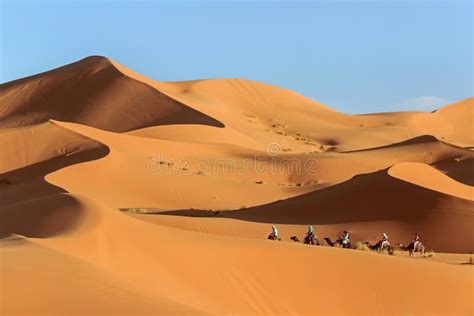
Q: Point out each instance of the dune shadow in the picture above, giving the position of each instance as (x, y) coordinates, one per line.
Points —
(29, 182)
(87, 86)
(368, 197)
(193, 213)
(32, 207)
(461, 171)
(43, 217)
(412, 141)
(186, 115)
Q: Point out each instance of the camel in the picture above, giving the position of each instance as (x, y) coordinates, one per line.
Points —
(377, 248)
(338, 243)
(412, 249)
(309, 241)
(272, 237)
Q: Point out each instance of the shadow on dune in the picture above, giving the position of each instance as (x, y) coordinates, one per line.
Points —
(461, 171)
(40, 218)
(29, 182)
(369, 197)
(97, 94)
(32, 207)
(424, 139)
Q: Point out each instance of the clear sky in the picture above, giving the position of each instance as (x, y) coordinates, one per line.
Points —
(355, 56)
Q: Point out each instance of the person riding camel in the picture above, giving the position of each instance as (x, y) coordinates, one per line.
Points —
(274, 233)
(415, 241)
(309, 235)
(384, 242)
(345, 239)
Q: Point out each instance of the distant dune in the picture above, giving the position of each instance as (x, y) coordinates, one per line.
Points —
(120, 194)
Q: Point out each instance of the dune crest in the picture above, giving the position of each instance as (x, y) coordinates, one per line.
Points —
(428, 177)
(93, 92)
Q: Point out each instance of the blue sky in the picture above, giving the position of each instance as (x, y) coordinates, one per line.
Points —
(355, 56)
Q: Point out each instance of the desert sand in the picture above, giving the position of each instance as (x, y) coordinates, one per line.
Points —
(120, 194)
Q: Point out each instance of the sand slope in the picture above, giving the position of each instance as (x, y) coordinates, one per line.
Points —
(142, 252)
(89, 290)
(91, 91)
(120, 194)
(389, 200)
(26, 146)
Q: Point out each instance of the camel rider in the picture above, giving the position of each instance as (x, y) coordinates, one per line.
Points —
(384, 242)
(309, 235)
(345, 238)
(415, 241)
(274, 232)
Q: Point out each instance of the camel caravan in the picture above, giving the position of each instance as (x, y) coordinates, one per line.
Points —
(343, 241)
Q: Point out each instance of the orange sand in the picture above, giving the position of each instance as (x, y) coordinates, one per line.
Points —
(120, 194)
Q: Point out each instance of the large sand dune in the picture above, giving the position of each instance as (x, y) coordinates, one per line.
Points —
(91, 91)
(120, 194)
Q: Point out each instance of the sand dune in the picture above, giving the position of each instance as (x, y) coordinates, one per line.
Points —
(89, 290)
(93, 92)
(461, 170)
(140, 252)
(459, 116)
(399, 208)
(424, 176)
(33, 144)
(157, 167)
(120, 194)
(33, 152)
